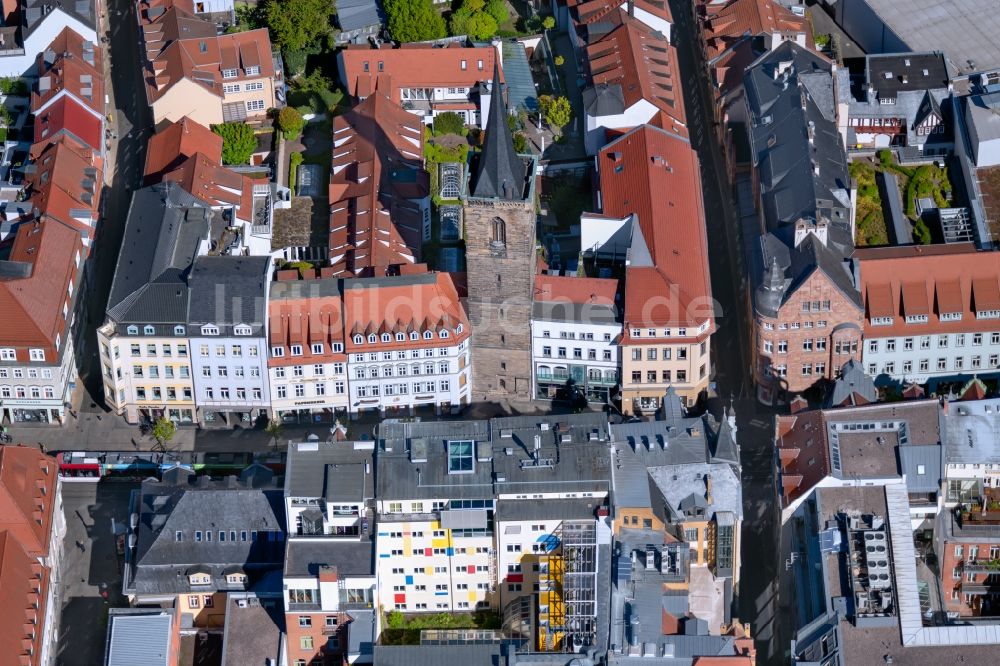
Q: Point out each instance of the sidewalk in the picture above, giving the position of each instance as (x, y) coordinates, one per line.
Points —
(94, 432)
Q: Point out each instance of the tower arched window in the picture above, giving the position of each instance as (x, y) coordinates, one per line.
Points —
(499, 232)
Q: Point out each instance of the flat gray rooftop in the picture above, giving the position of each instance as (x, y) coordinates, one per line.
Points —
(963, 29)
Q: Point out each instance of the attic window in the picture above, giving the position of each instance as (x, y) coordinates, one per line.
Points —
(132, 330)
(148, 330)
(414, 335)
(242, 329)
(358, 339)
(400, 337)
(386, 337)
(230, 73)
(178, 330)
(209, 330)
(428, 335)
(203, 47)
(461, 457)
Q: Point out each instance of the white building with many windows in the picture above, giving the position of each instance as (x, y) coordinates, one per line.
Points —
(407, 342)
(307, 366)
(228, 334)
(575, 328)
(931, 313)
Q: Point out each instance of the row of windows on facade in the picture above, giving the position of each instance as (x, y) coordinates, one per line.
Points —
(461, 605)
(795, 325)
(666, 376)
(943, 341)
(318, 370)
(958, 363)
(249, 70)
(667, 332)
(230, 88)
(561, 372)
(21, 373)
(571, 335)
(318, 390)
(316, 348)
(245, 536)
(427, 93)
(207, 329)
(943, 316)
(667, 353)
(401, 354)
(23, 392)
(375, 390)
(808, 345)
(374, 372)
(359, 339)
(578, 353)
(807, 370)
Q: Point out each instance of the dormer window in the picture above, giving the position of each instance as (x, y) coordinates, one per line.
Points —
(236, 579)
(277, 352)
(951, 316)
(358, 339)
(148, 330)
(987, 314)
(414, 335)
(443, 334)
(461, 457)
(386, 338)
(428, 335)
(460, 328)
(400, 337)
(230, 73)
(296, 350)
(253, 70)
(208, 329)
(36, 354)
(882, 321)
(372, 338)
(200, 579)
(916, 319)
(317, 348)
(178, 330)
(242, 329)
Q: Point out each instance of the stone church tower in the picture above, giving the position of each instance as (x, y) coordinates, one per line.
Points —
(499, 211)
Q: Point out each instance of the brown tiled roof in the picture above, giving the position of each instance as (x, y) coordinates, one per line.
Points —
(77, 69)
(377, 170)
(61, 186)
(654, 175)
(414, 66)
(592, 11)
(180, 45)
(170, 147)
(32, 295)
(27, 496)
(66, 116)
(402, 304)
(583, 290)
(302, 320)
(214, 184)
(725, 24)
(929, 280)
(642, 62)
(23, 586)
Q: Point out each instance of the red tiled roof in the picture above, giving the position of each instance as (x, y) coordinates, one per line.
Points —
(643, 62)
(402, 305)
(180, 45)
(60, 186)
(170, 147)
(214, 184)
(592, 11)
(70, 65)
(366, 69)
(581, 290)
(929, 280)
(377, 171)
(32, 306)
(67, 117)
(725, 24)
(803, 452)
(23, 586)
(27, 497)
(303, 321)
(654, 175)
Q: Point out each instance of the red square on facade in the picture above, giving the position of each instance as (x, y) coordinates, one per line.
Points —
(428, 551)
(399, 599)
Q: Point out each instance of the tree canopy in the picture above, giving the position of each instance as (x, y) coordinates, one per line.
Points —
(290, 122)
(478, 19)
(238, 142)
(298, 25)
(557, 111)
(414, 20)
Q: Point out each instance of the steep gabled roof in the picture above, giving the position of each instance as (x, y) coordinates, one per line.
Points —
(377, 174)
(170, 147)
(65, 182)
(66, 116)
(731, 22)
(70, 64)
(500, 172)
(27, 497)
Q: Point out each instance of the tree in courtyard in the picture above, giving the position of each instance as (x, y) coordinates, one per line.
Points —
(273, 430)
(556, 111)
(238, 142)
(298, 25)
(549, 22)
(498, 10)
(290, 122)
(163, 431)
(414, 20)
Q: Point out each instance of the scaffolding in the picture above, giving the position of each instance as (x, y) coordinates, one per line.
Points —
(567, 597)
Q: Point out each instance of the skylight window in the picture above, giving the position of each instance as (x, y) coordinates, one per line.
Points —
(461, 457)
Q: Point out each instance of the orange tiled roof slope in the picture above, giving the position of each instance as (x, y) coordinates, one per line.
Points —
(582, 290)
(724, 24)
(34, 287)
(65, 183)
(929, 281)
(23, 583)
(377, 173)
(365, 69)
(27, 497)
(642, 62)
(71, 65)
(173, 145)
(592, 11)
(654, 174)
(180, 46)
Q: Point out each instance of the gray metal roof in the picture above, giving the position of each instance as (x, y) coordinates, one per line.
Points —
(604, 99)
(305, 556)
(590, 313)
(487, 654)
(226, 291)
(361, 633)
(550, 509)
(797, 149)
(358, 14)
(852, 382)
(139, 637)
(335, 471)
(970, 432)
(921, 464)
(163, 232)
(521, 92)
(35, 12)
